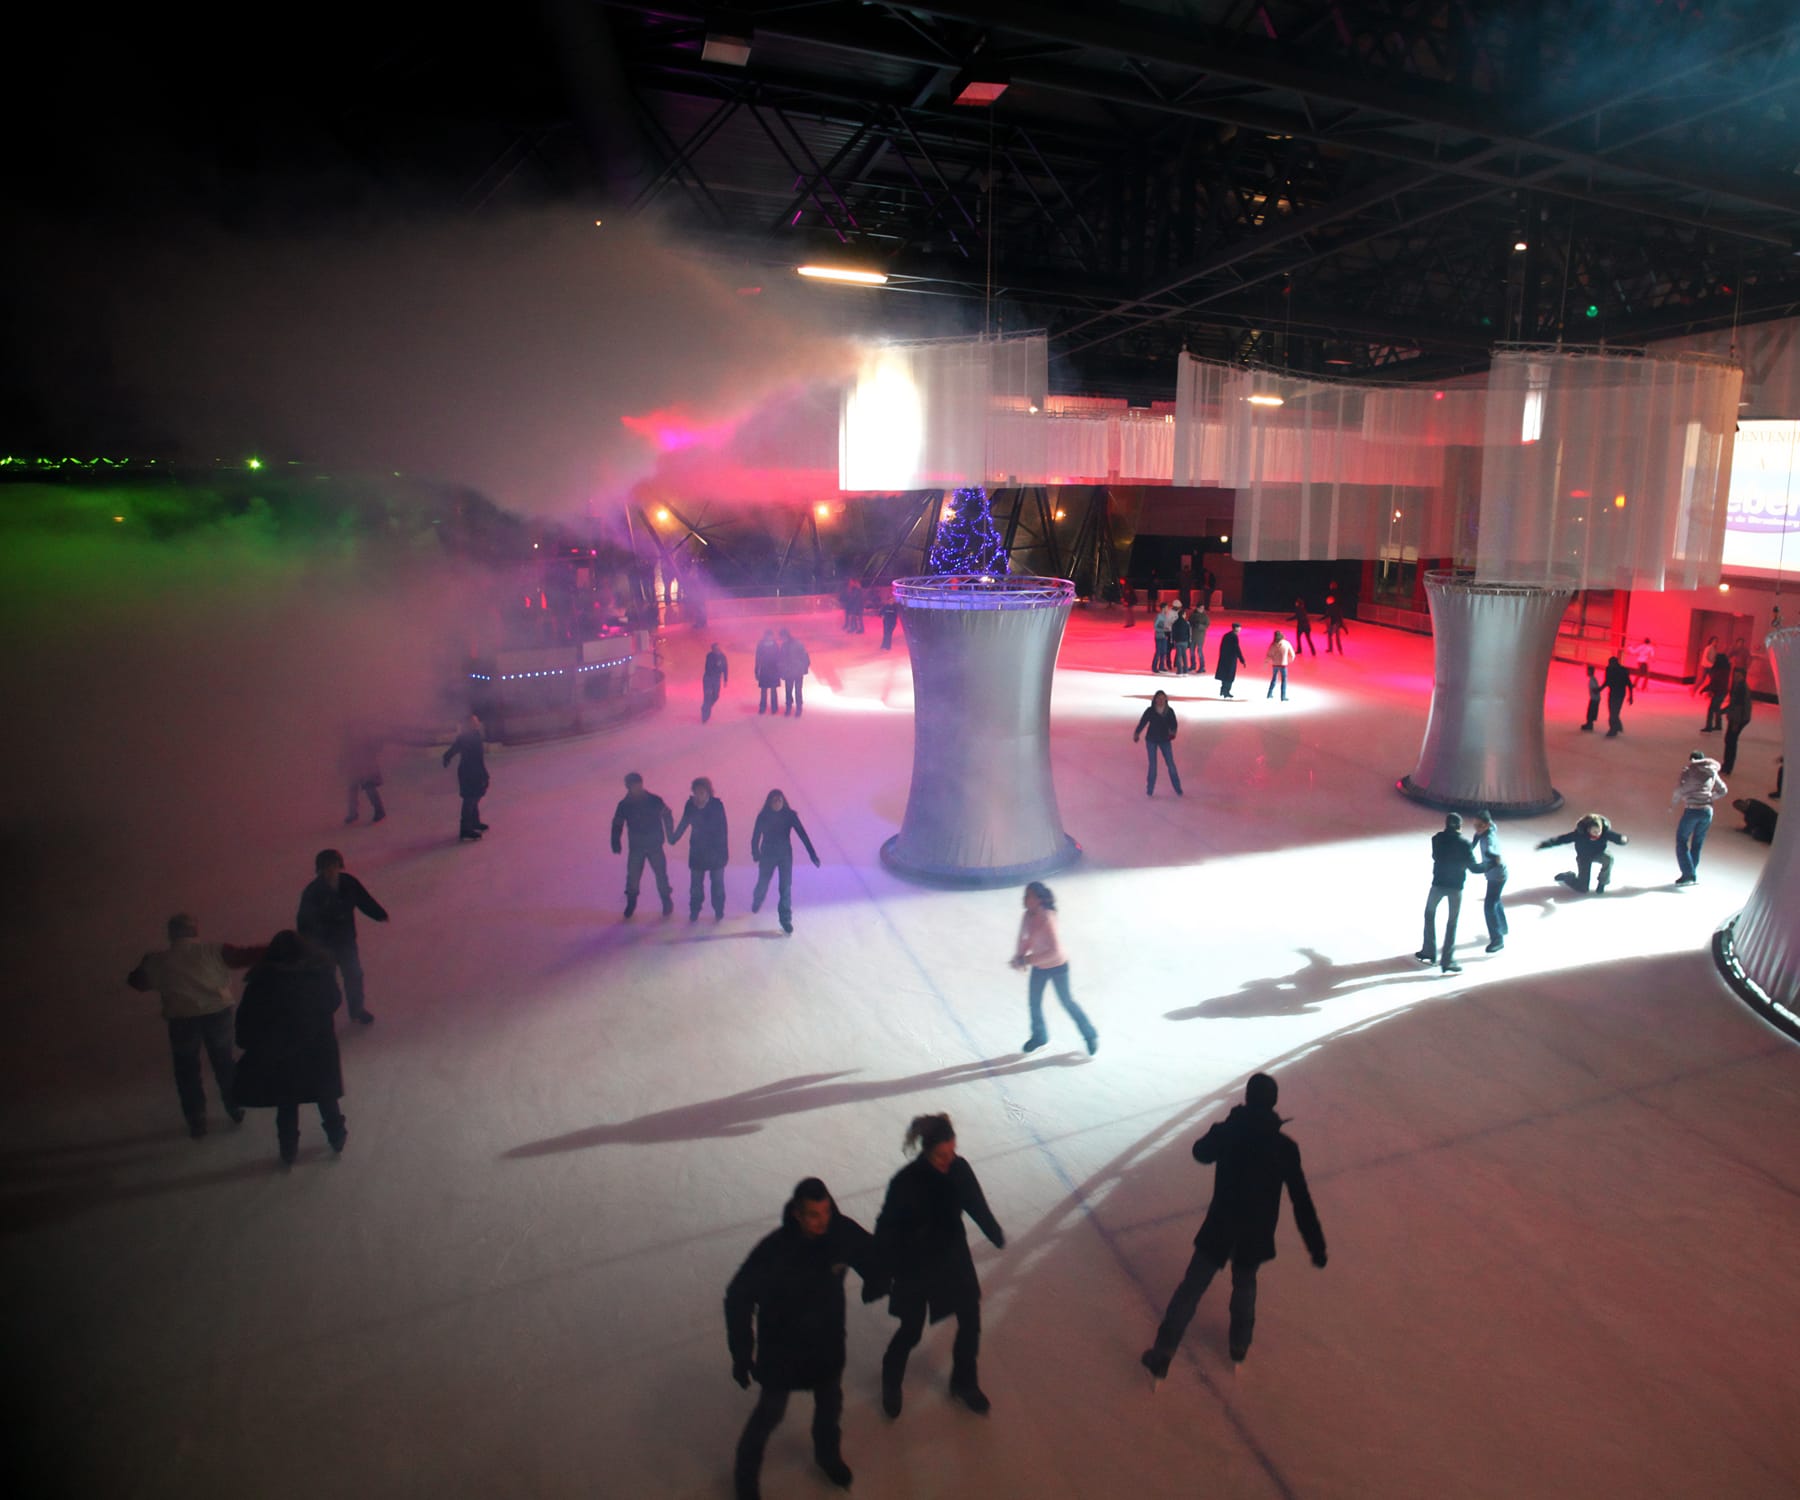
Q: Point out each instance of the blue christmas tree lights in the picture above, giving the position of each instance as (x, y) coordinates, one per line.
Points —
(968, 541)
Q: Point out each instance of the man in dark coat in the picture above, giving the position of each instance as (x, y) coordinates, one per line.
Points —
(471, 776)
(1255, 1162)
(327, 917)
(792, 1284)
(650, 822)
(890, 617)
(1231, 657)
(290, 1049)
(768, 673)
(1590, 837)
(1452, 857)
(708, 849)
(712, 678)
(1618, 688)
(795, 664)
(1737, 716)
(1718, 691)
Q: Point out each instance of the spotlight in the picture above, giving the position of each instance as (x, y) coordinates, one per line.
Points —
(1264, 400)
(821, 510)
(1724, 588)
(1618, 502)
(662, 512)
(1061, 515)
(1223, 540)
(255, 463)
(1519, 246)
(843, 273)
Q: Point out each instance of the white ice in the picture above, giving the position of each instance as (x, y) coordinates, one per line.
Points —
(1560, 1189)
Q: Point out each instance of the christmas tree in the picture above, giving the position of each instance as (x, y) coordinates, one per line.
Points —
(968, 541)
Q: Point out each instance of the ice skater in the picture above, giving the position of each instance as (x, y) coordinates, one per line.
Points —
(1590, 836)
(1199, 621)
(1595, 691)
(1737, 716)
(1335, 629)
(713, 677)
(1040, 952)
(1279, 654)
(1703, 667)
(1490, 863)
(784, 1325)
(1718, 691)
(922, 1242)
(471, 776)
(646, 818)
(1156, 727)
(1181, 636)
(772, 847)
(768, 673)
(1254, 1162)
(1231, 657)
(1641, 656)
(890, 617)
(708, 849)
(360, 764)
(290, 1049)
(795, 664)
(193, 981)
(1451, 861)
(1699, 786)
(1618, 690)
(327, 917)
(1161, 624)
(1303, 628)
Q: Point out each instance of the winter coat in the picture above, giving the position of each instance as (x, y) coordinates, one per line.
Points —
(793, 1286)
(1451, 859)
(708, 848)
(716, 670)
(647, 818)
(1618, 682)
(771, 840)
(1255, 1161)
(1231, 657)
(1718, 677)
(471, 770)
(795, 663)
(284, 1026)
(768, 662)
(1700, 785)
(1587, 846)
(1488, 859)
(1737, 704)
(1158, 723)
(327, 916)
(922, 1242)
(1280, 653)
(1180, 631)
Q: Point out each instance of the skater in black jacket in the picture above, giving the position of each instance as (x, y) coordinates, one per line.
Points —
(768, 673)
(1158, 723)
(290, 1050)
(1255, 1162)
(1590, 837)
(713, 677)
(1618, 689)
(772, 847)
(793, 1286)
(651, 824)
(1231, 657)
(708, 849)
(922, 1242)
(1452, 859)
(327, 917)
(471, 776)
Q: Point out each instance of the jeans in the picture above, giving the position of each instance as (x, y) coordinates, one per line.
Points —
(1429, 950)
(796, 692)
(697, 888)
(771, 1407)
(1728, 761)
(349, 963)
(1059, 976)
(1225, 683)
(1159, 661)
(1168, 755)
(1278, 674)
(965, 1351)
(634, 874)
(1593, 710)
(287, 1125)
(784, 890)
(471, 817)
(187, 1036)
(1304, 635)
(1184, 661)
(768, 697)
(1194, 1282)
(354, 807)
(887, 634)
(1493, 910)
(709, 695)
(1690, 839)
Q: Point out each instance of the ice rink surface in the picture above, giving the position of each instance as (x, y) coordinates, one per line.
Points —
(1561, 1190)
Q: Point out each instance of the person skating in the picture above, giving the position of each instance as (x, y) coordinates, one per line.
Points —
(1595, 691)
(1718, 691)
(1199, 621)
(1231, 657)
(471, 776)
(649, 823)
(1703, 667)
(1303, 628)
(1737, 716)
(1490, 863)
(290, 1048)
(1253, 1162)
(1335, 629)
(1618, 689)
(1590, 836)
(784, 1326)
(193, 981)
(1451, 861)
(327, 917)
(890, 617)
(1039, 950)
(853, 621)
(768, 673)
(922, 1243)
(708, 849)
(360, 765)
(1181, 635)
(1699, 786)
(1641, 655)
(1156, 727)
(1160, 625)
(713, 677)
(795, 664)
(772, 847)
(1279, 654)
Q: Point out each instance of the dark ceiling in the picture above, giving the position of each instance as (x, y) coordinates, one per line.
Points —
(1336, 184)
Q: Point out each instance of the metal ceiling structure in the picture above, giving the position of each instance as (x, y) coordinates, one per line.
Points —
(1324, 184)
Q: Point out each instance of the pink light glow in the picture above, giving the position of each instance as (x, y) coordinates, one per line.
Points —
(673, 429)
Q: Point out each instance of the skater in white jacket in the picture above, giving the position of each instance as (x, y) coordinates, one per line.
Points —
(1279, 654)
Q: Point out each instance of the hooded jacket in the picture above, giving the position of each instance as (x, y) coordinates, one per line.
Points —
(1255, 1162)
(1700, 785)
(792, 1287)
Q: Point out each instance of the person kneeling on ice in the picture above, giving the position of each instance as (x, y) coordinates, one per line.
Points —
(793, 1285)
(1255, 1161)
(1590, 837)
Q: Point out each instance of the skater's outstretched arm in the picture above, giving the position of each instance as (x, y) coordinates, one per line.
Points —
(975, 1204)
(1306, 1217)
(800, 828)
(365, 903)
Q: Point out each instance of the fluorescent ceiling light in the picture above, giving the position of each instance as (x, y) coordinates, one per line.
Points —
(980, 91)
(843, 273)
(728, 37)
(1267, 401)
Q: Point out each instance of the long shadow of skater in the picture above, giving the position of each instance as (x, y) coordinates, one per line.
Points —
(742, 1114)
(1300, 993)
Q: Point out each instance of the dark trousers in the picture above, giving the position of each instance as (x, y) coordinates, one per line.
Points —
(349, 964)
(1615, 706)
(1304, 633)
(796, 693)
(765, 1417)
(784, 890)
(1225, 681)
(1429, 950)
(1334, 638)
(1715, 712)
(768, 697)
(697, 888)
(1058, 976)
(1194, 1282)
(1593, 710)
(965, 1352)
(1729, 760)
(1585, 862)
(709, 695)
(354, 808)
(887, 634)
(287, 1125)
(634, 874)
(1168, 755)
(188, 1035)
(1493, 910)
(471, 815)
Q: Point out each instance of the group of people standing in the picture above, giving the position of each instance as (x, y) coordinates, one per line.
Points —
(782, 663)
